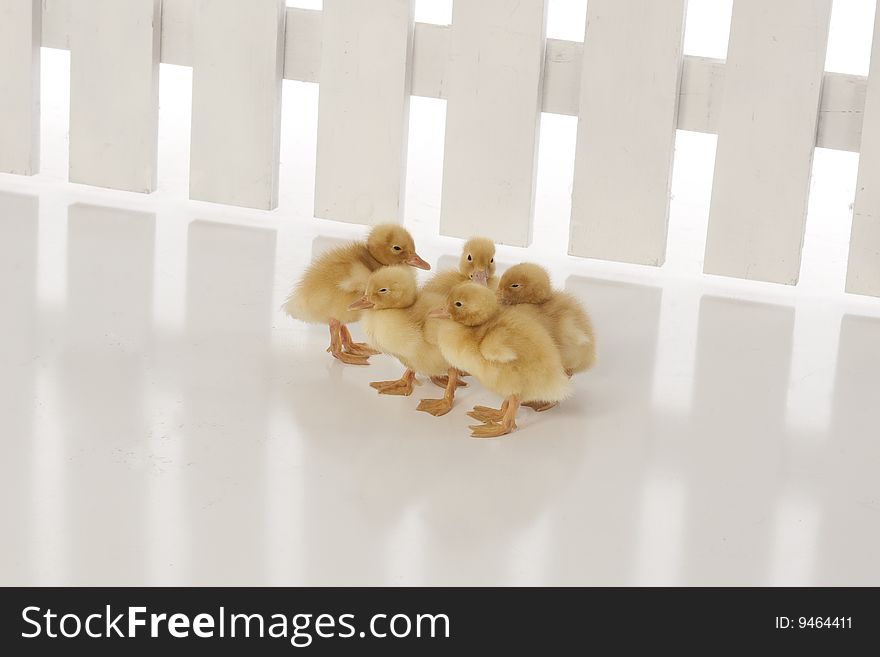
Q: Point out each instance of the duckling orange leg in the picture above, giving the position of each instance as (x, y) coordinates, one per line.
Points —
(496, 429)
(356, 348)
(438, 407)
(540, 406)
(488, 414)
(402, 386)
(443, 381)
(336, 346)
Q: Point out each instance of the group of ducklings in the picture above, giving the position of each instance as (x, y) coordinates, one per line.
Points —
(517, 336)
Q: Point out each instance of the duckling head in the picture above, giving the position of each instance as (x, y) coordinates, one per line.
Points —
(525, 283)
(392, 244)
(388, 287)
(470, 304)
(478, 260)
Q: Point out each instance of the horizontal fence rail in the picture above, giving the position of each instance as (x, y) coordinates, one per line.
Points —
(766, 128)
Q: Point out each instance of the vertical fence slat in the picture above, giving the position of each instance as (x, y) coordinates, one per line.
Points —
(492, 117)
(114, 93)
(626, 129)
(236, 102)
(863, 272)
(766, 138)
(363, 110)
(20, 35)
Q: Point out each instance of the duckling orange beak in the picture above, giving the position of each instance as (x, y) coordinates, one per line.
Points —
(414, 260)
(439, 313)
(363, 303)
(480, 276)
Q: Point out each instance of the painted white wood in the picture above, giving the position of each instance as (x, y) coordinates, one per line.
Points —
(563, 63)
(702, 78)
(114, 93)
(766, 137)
(363, 110)
(493, 114)
(700, 95)
(863, 271)
(430, 59)
(178, 18)
(20, 37)
(840, 111)
(840, 108)
(236, 102)
(626, 130)
(699, 98)
(302, 45)
(56, 24)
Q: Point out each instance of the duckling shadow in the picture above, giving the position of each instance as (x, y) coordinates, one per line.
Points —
(367, 462)
(374, 461)
(488, 496)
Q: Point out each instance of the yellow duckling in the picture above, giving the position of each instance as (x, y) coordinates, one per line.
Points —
(395, 322)
(477, 264)
(338, 278)
(507, 349)
(561, 313)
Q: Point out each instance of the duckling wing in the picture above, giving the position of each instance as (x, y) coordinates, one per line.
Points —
(498, 346)
(355, 279)
(574, 325)
(570, 332)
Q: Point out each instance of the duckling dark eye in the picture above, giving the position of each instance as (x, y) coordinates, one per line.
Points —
(491, 260)
(458, 304)
(515, 285)
(469, 257)
(383, 290)
(396, 248)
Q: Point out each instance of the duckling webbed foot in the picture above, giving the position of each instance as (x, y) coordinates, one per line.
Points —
(435, 407)
(540, 406)
(355, 348)
(351, 359)
(402, 386)
(487, 414)
(442, 406)
(504, 427)
(336, 346)
(491, 430)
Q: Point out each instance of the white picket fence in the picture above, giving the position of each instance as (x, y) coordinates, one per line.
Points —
(629, 83)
